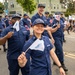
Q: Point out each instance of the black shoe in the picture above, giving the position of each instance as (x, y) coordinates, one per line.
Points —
(64, 41)
(5, 50)
(64, 67)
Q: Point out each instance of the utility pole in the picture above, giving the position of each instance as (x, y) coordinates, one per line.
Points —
(6, 7)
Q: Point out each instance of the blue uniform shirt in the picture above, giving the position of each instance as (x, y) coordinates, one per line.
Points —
(16, 42)
(2, 26)
(48, 20)
(40, 63)
(25, 22)
(6, 21)
(63, 19)
(36, 16)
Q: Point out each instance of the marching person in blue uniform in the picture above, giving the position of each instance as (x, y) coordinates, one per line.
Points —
(6, 20)
(63, 20)
(40, 15)
(26, 23)
(16, 37)
(40, 52)
(58, 37)
(49, 18)
(50, 21)
(2, 27)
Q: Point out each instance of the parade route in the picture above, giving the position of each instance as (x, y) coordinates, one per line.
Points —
(69, 52)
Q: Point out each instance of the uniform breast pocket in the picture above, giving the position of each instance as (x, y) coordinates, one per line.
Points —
(37, 53)
(48, 47)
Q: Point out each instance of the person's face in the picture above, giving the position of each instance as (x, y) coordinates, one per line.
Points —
(57, 17)
(25, 16)
(41, 10)
(14, 20)
(47, 15)
(7, 17)
(38, 29)
(62, 16)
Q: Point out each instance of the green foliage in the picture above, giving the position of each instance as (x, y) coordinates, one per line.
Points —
(27, 5)
(67, 14)
(61, 1)
(1, 8)
(71, 9)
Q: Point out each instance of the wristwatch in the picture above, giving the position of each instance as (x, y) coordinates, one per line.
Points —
(60, 67)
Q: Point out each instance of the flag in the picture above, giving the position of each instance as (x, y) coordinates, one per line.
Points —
(37, 45)
(65, 23)
(16, 26)
(27, 28)
(51, 21)
(70, 17)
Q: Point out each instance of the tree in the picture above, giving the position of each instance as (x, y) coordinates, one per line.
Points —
(1, 8)
(61, 1)
(71, 9)
(27, 5)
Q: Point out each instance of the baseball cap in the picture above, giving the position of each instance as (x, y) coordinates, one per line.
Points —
(41, 5)
(25, 15)
(16, 16)
(38, 21)
(46, 12)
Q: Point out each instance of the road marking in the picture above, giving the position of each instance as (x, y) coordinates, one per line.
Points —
(70, 37)
(70, 55)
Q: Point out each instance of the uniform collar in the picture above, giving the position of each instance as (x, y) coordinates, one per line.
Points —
(39, 15)
(34, 37)
(24, 18)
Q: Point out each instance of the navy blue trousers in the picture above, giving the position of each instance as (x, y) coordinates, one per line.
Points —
(59, 49)
(14, 67)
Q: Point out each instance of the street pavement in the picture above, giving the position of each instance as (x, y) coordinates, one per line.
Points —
(69, 52)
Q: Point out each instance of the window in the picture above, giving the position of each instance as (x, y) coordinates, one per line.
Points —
(61, 1)
(12, 5)
(51, 6)
(38, 1)
(57, 6)
(12, 12)
(54, 6)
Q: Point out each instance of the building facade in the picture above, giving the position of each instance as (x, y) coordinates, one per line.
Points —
(14, 7)
(51, 6)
